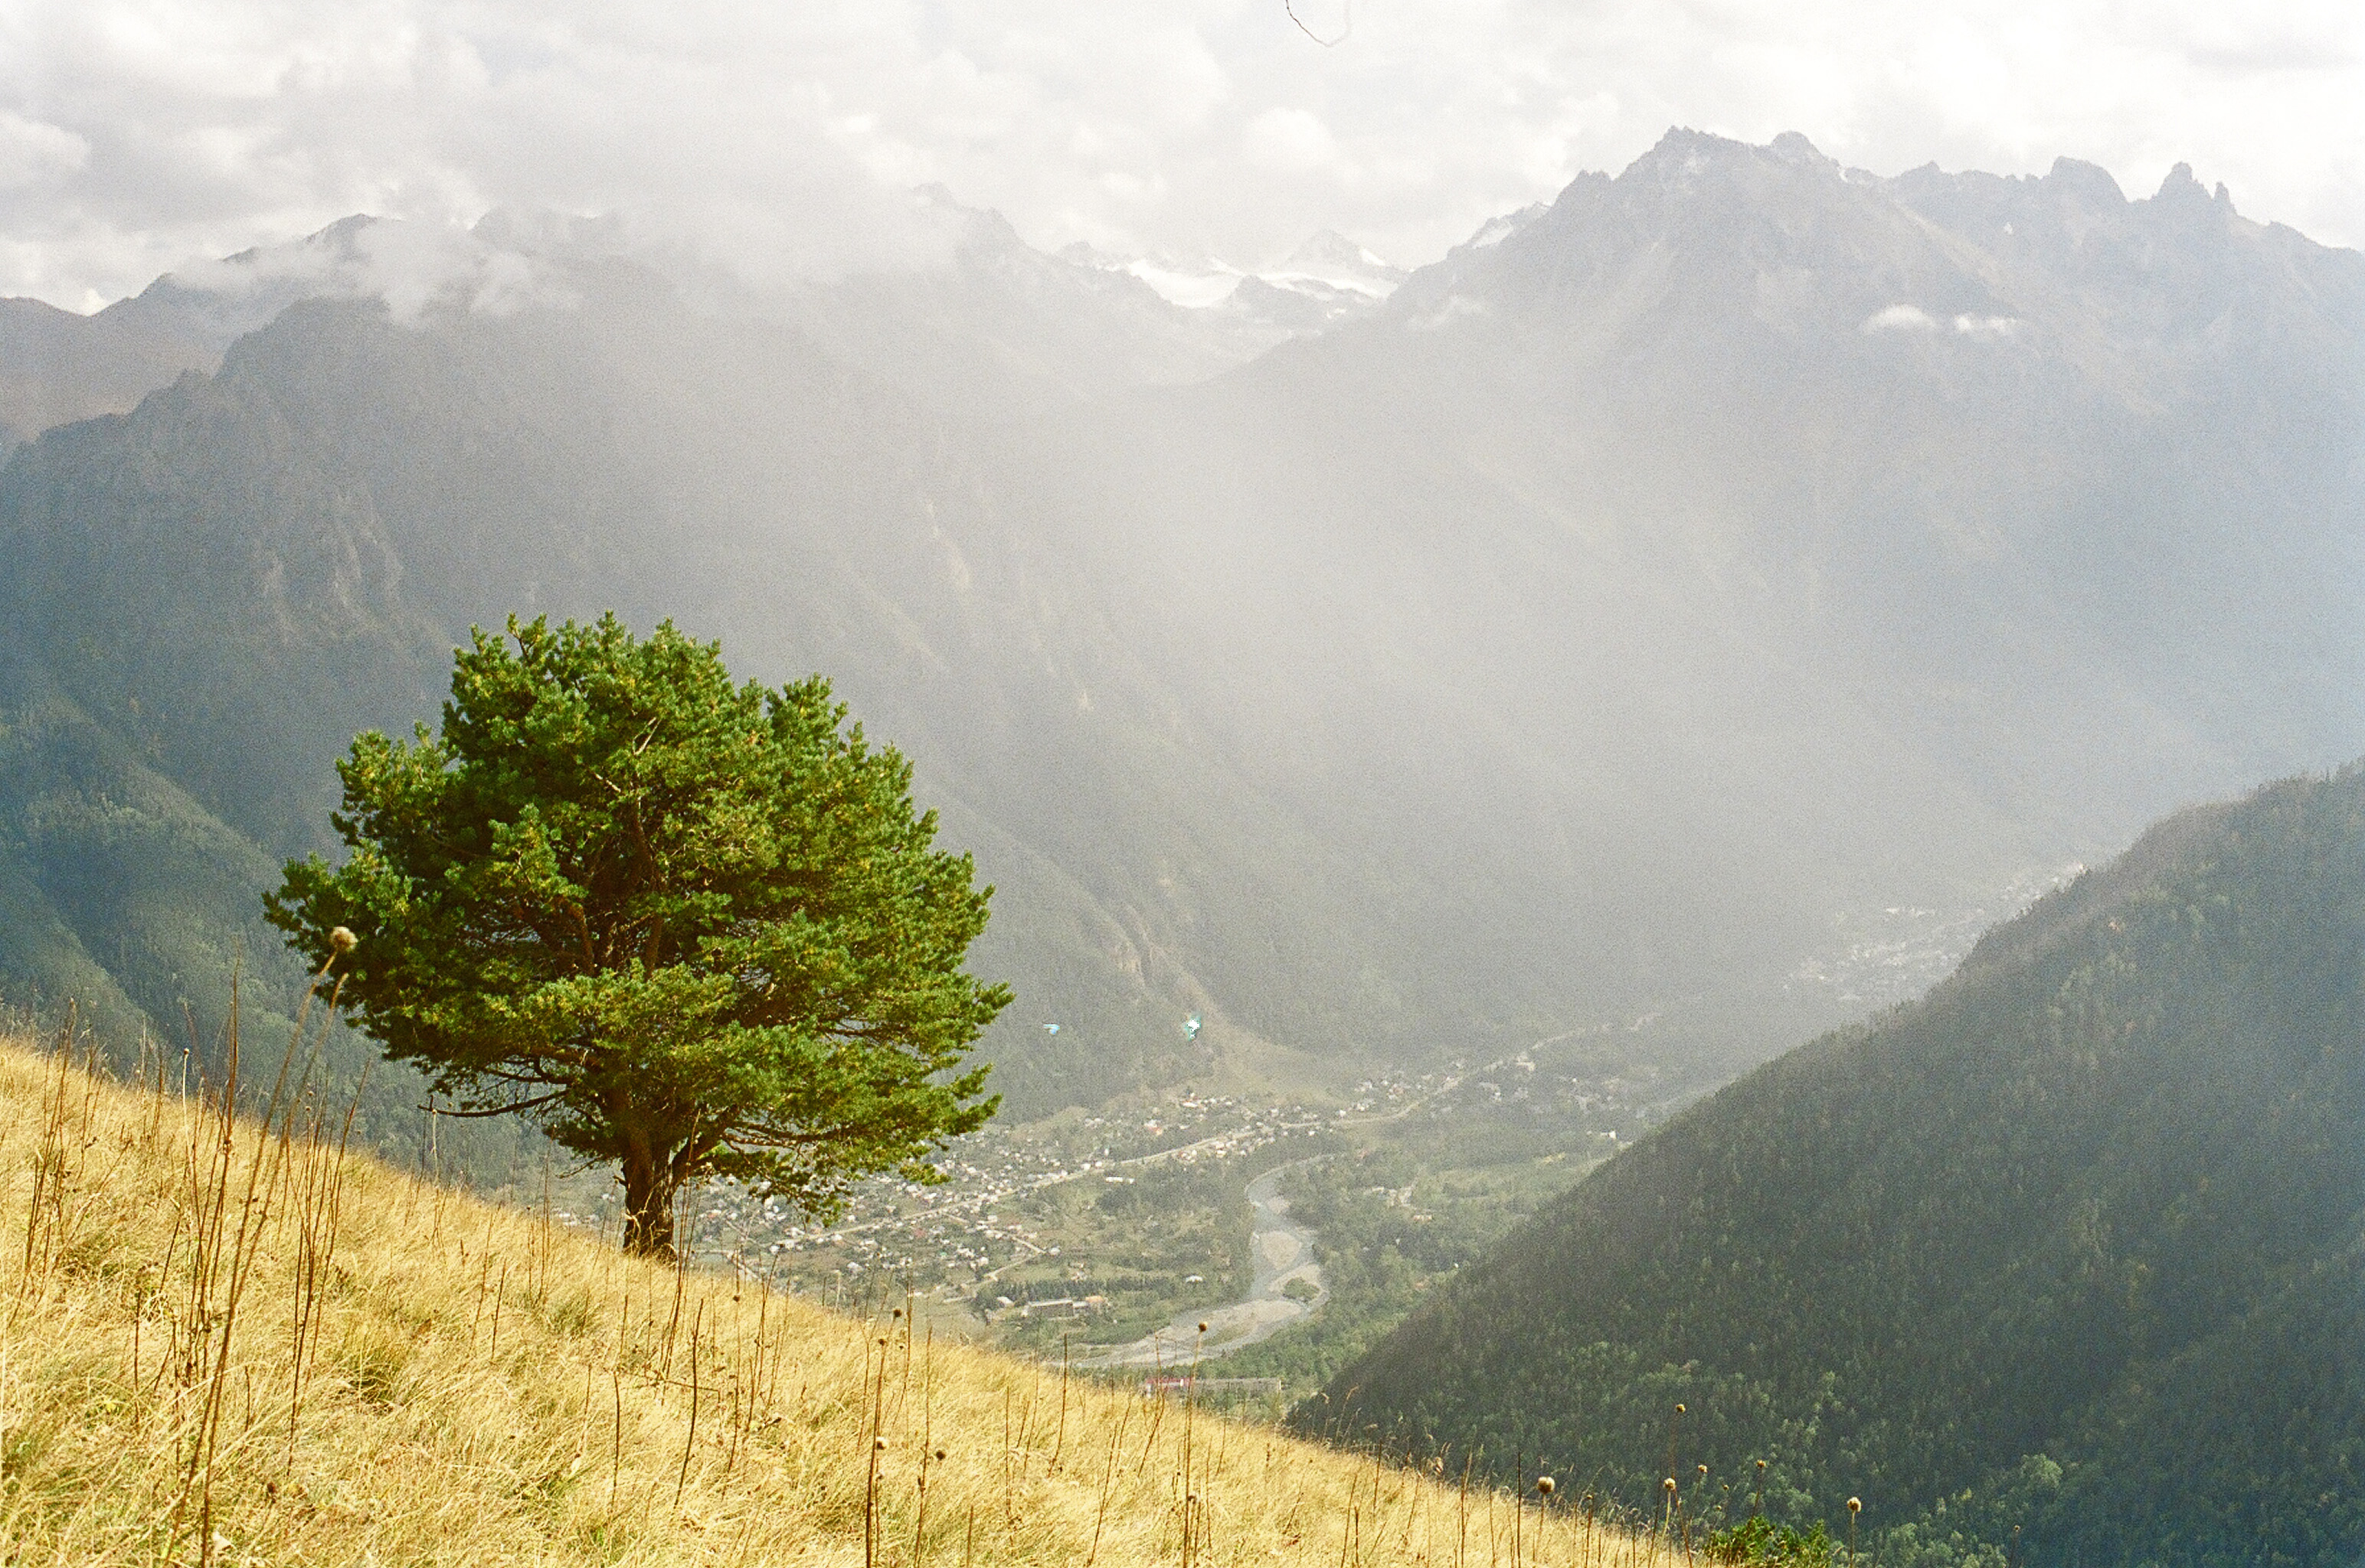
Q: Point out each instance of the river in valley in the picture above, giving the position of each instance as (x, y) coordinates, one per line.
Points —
(1283, 1251)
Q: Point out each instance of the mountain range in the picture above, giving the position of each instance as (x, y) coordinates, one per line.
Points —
(1679, 586)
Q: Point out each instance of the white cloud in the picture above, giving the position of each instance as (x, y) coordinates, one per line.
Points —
(1289, 141)
(1987, 328)
(211, 126)
(777, 139)
(408, 264)
(1900, 318)
(31, 152)
(1913, 318)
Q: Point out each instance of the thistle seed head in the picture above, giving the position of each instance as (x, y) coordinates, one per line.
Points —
(342, 940)
(1544, 1485)
(1854, 1504)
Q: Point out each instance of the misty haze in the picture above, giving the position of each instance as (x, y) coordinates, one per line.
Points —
(1676, 829)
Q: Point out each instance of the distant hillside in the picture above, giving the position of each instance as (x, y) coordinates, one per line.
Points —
(2076, 1244)
(225, 1346)
(57, 367)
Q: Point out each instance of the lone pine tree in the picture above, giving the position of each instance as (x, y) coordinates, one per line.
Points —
(694, 928)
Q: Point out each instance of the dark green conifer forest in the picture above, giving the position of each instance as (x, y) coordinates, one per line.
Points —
(2073, 1245)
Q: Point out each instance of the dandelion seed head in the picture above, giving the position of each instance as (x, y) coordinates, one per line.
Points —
(343, 940)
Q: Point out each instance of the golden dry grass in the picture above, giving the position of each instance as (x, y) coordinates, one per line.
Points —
(228, 1344)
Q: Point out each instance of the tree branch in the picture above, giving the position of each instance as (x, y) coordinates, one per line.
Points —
(502, 1109)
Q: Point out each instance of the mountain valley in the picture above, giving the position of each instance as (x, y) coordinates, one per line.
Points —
(1424, 729)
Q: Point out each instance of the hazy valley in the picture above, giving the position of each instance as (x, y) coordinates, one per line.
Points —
(1428, 733)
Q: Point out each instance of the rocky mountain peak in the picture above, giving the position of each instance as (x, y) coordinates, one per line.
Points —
(1794, 149)
(2089, 185)
(1331, 257)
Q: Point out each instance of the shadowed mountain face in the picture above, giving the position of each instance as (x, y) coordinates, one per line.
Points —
(1595, 627)
(56, 367)
(2073, 1245)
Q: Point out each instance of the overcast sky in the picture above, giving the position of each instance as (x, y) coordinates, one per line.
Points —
(772, 135)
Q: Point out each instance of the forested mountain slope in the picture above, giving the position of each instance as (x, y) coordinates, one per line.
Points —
(2075, 1244)
(117, 890)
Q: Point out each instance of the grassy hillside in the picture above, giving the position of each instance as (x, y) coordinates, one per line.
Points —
(241, 1342)
(2073, 1245)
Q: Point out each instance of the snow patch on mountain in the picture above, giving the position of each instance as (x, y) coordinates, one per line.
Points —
(1326, 280)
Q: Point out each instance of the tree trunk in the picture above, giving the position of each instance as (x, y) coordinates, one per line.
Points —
(649, 1188)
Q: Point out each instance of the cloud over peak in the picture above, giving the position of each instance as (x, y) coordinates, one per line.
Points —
(782, 140)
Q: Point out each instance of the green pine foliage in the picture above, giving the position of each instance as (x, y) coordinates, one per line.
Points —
(2073, 1245)
(696, 928)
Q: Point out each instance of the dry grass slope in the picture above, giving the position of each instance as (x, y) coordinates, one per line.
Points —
(232, 1341)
